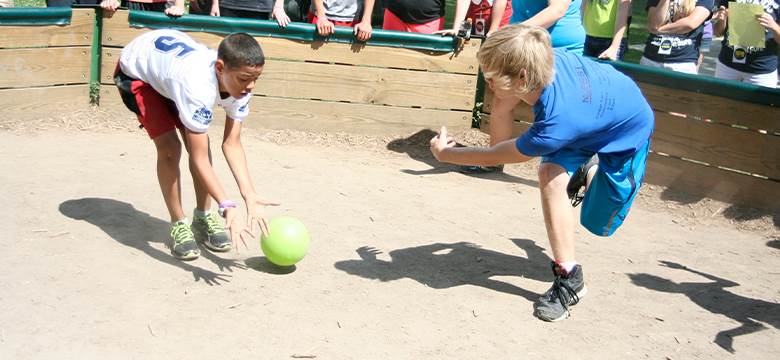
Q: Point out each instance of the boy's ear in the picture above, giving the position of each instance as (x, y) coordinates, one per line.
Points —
(220, 66)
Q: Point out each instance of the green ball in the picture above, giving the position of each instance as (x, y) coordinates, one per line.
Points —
(287, 241)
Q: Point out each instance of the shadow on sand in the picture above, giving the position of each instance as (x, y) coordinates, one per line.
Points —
(417, 147)
(442, 266)
(713, 297)
(137, 229)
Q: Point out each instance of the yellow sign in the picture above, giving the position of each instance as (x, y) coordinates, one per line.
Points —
(744, 29)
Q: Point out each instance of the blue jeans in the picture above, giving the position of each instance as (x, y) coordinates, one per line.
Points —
(594, 46)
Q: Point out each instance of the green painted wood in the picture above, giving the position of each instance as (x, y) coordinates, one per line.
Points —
(293, 31)
(35, 16)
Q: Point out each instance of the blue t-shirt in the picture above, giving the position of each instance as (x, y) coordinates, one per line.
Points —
(589, 106)
(751, 59)
(566, 33)
(675, 48)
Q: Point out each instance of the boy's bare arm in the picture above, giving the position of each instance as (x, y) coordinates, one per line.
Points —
(199, 159)
(444, 149)
(236, 159)
(199, 155)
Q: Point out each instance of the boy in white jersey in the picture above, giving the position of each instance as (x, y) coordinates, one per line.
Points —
(170, 81)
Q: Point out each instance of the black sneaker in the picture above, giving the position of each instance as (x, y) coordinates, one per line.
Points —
(482, 169)
(566, 290)
(576, 187)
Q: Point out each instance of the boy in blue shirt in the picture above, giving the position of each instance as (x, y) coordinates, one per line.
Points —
(592, 127)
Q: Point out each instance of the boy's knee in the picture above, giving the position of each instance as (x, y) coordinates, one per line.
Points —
(552, 175)
(169, 148)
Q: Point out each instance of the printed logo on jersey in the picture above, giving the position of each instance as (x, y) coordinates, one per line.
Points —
(243, 108)
(202, 116)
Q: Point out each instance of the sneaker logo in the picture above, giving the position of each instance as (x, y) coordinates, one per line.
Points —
(202, 115)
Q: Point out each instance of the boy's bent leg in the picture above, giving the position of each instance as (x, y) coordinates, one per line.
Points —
(612, 191)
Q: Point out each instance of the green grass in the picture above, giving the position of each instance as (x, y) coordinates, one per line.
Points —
(637, 34)
(30, 3)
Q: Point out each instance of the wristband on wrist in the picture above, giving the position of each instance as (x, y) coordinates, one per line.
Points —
(226, 205)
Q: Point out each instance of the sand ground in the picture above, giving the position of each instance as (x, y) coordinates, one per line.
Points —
(409, 259)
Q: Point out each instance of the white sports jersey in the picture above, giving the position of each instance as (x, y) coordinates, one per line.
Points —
(181, 70)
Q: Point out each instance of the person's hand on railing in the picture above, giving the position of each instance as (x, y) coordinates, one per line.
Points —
(280, 15)
(610, 53)
(448, 32)
(214, 8)
(110, 5)
(324, 26)
(176, 10)
(363, 30)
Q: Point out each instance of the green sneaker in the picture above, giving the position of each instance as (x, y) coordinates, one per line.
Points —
(210, 231)
(184, 245)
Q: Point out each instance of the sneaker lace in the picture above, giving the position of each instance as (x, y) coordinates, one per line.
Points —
(561, 290)
(180, 233)
(213, 223)
(577, 199)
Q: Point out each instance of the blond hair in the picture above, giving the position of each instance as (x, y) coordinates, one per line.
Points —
(518, 51)
(680, 9)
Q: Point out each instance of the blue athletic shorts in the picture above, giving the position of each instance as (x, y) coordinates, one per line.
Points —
(612, 189)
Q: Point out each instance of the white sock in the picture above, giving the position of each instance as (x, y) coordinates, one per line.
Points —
(182, 220)
(568, 265)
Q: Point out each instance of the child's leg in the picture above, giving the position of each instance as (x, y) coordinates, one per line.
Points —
(168, 156)
(569, 284)
(557, 210)
(202, 197)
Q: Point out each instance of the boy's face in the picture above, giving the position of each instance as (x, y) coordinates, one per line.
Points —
(237, 82)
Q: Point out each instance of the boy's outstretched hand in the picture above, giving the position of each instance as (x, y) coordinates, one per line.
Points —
(440, 143)
(231, 224)
(254, 215)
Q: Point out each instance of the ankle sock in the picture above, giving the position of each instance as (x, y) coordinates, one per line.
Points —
(200, 213)
(567, 265)
(182, 220)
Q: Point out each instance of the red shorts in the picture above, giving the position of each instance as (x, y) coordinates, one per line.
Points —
(313, 20)
(484, 11)
(156, 113)
(392, 22)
